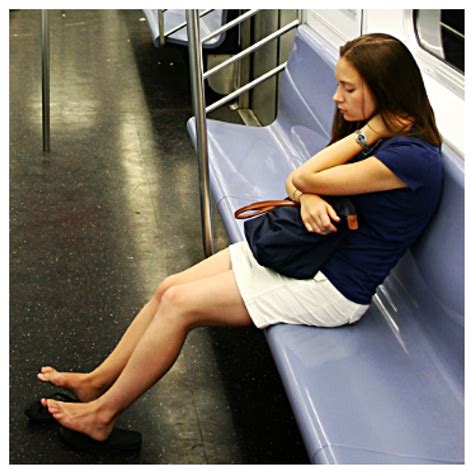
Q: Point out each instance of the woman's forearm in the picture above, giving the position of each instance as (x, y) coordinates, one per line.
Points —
(305, 178)
(338, 153)
(334, 155)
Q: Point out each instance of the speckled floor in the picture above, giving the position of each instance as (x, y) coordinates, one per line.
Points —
(97, 223)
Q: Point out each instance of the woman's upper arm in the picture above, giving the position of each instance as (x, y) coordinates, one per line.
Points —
(368, 175)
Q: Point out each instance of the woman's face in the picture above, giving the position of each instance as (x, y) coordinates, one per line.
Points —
(353, 98)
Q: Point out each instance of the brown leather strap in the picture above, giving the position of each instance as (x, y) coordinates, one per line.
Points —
(261, 207)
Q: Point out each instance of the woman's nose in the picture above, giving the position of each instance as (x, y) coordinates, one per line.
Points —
(337, 97)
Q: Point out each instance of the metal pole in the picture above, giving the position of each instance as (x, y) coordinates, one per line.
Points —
(161, 26)
(197, 92)
(45, 77)
(299, 16)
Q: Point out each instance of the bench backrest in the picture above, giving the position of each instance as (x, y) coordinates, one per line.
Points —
(433, 271)
(305, 106)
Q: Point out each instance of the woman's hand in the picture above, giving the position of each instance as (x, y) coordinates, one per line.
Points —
(317, 214)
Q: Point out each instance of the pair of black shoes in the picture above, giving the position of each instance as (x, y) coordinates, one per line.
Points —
(119, 439)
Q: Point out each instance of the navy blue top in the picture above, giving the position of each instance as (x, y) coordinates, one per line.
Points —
(389, 221)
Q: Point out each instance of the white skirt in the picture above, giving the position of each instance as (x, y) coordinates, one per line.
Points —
(271, 298)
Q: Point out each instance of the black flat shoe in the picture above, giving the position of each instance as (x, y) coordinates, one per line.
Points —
(119, 440)
(37, 413)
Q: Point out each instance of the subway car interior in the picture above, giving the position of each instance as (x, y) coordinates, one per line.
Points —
(134, 135)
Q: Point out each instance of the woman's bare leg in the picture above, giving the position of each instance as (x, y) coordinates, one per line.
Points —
(213, 300)
(88, 386)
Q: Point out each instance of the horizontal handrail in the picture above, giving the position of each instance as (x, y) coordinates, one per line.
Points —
(245, 88)
(252, 48)
(184, 23)
(229, 25)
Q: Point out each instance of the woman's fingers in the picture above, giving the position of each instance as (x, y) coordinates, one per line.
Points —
(326, 219)
(318, 215)
(333, 214)
(325, 224)
(321, 224)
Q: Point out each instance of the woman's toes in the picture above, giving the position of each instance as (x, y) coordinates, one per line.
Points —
(48, 374)
(47, 370)
(44, 373)
(44, 402)
(52, 405)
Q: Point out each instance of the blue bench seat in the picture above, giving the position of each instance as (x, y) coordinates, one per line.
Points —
(389, 389)
(256, 169)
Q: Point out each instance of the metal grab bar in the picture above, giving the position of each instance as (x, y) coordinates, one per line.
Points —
(252, 48)
(245, 88)
(197, 92)
(45, 79)
(198, 98)
(229, 25)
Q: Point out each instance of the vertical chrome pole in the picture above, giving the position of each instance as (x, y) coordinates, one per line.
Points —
(299, 16)
(45, 77)
(161, 26)
(197, 92)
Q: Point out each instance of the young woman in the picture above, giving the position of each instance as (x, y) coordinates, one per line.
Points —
(384, 153)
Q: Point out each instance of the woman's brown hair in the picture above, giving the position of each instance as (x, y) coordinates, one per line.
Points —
(392, 75)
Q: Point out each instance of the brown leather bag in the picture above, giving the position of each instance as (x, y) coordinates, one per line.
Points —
(262, 207)
(279, 239)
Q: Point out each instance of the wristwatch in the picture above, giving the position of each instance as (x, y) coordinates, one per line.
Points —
(361, 139)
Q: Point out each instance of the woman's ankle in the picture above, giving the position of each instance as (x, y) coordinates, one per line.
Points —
(99, 381)
(106, 414)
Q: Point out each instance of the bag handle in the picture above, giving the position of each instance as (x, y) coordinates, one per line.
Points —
(261, 207)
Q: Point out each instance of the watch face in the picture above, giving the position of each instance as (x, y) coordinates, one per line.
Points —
(362, 139)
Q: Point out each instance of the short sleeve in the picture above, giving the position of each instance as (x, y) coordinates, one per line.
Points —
(408, 158)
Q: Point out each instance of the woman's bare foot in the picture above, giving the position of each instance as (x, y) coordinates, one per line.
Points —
(80, 384)
(84, 418)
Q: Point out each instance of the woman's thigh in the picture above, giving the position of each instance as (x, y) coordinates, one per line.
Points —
(213, 265)
(210, 301)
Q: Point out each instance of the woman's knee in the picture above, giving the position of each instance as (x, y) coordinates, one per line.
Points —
(173, 304)
(164, 286)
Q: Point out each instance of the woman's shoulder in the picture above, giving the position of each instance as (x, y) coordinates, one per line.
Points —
(411, 151)
(415, 161)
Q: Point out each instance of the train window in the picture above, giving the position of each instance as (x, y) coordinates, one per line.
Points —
(441, 32)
